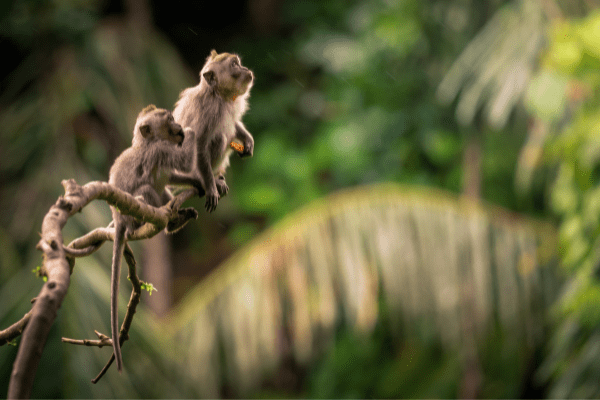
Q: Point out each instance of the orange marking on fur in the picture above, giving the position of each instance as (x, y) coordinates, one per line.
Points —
(237, 147)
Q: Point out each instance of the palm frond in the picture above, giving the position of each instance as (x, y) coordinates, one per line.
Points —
(336, 260)
(494, 69)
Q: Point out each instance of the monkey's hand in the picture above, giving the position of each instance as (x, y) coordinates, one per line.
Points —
(248, 147)
(212, 199)
(222, 187)
(245, 138)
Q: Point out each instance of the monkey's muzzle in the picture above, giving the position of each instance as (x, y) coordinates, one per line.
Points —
(249, 77)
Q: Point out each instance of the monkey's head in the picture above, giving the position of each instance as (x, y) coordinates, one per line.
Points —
(156, 124)
(225, 73)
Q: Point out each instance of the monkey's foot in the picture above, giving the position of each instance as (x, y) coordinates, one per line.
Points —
(212, 199)
(184, 215)
(222, 187)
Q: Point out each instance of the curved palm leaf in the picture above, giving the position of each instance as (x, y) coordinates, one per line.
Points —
(332, 263)
(494, 69)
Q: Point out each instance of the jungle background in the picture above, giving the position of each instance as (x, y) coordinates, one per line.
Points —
(420, 218)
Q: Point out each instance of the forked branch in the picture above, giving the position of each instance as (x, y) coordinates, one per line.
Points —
(58, 261)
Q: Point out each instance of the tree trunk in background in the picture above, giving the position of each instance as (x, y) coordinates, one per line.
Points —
(157, 270)
(472, 167)
(472, 377)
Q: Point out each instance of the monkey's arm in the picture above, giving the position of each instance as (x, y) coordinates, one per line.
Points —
(242, 134)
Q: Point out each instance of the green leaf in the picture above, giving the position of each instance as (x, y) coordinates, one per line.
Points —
(148, 287)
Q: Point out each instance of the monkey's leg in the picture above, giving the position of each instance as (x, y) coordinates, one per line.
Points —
(149, 195)
(211, 147)
(184, 215)
(181, 178)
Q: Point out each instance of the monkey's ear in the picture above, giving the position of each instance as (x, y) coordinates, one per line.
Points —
(211, 56)
(210, 77)
(145, 130)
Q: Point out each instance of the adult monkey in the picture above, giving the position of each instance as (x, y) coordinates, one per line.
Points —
(213, 110)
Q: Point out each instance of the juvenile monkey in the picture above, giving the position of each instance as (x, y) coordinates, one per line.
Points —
(142, 170)
(214, 109)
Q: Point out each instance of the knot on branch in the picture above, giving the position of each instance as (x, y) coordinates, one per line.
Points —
(64, 204)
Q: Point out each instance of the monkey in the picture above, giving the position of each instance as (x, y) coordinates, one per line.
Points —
(214, 109)
(142, 170)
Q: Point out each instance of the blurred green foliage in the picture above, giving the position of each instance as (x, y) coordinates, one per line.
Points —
(377, 367)
(344, 96)
(380, 367)
(565, 95)
(349, 99)
(307, 292)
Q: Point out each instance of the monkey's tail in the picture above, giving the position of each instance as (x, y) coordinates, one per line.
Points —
(118, 247)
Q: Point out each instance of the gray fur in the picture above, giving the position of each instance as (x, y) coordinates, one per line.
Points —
(214, 109)
(142, 170)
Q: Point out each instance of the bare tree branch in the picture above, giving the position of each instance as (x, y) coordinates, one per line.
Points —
(58, 263)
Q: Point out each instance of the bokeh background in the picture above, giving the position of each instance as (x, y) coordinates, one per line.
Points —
(420, 218)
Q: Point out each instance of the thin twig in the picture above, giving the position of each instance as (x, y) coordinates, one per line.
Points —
(101, 342)
(134, 300)
(15, 330)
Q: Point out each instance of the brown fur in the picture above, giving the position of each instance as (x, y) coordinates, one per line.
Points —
(214, 109)
(143, 171)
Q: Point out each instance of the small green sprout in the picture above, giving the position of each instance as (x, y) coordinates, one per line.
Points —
(148, 286)
(38, 273)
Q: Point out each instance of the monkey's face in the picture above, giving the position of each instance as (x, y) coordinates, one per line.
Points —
(225, 72)
(175, 131)
(158, 124)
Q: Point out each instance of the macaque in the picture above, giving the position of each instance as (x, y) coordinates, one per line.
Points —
(213, 110)
(142, 170)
